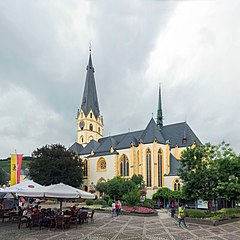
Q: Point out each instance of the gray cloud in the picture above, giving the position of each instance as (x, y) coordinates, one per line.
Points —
(44, 53)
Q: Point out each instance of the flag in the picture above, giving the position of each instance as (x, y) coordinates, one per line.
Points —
(19, 166)
(13, 169)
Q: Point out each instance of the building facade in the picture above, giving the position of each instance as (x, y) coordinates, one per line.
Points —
(153, 152)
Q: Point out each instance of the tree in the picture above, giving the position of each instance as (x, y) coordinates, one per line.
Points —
(138, 180)
(198, 172)
(53, 164)
(118, 186)
(209, 171)
(101, 187)
(3, 177)
(228, 166)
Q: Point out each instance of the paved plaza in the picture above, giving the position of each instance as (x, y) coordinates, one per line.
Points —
(125, 227)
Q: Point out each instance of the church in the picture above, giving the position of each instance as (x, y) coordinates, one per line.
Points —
(153, 152)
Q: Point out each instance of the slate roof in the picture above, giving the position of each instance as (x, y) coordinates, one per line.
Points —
(175, 133)
(127, 140)
(152, 132)
(76, 148)
(90, 99)
(174, 165)
(92, 145)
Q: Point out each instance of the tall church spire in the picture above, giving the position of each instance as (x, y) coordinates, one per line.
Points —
(90, 99)
(159, 110)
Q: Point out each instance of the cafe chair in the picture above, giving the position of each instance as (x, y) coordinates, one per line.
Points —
(90, 216)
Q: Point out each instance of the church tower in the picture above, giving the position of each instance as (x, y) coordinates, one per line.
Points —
(89, 120)
(159, 111)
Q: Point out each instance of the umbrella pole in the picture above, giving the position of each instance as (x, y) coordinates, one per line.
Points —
(61, 205)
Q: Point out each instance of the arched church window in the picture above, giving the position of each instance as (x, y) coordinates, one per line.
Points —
(90, 127)
(148, 168)
(177, 185)
(85, 168)
(159, 168)
(90, 115)
(101, 165)
(81, 139)
(90, 138)
(124, 166)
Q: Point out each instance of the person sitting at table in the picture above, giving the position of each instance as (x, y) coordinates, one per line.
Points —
(74, 211)
(27, 212)
(36, 209)
(83, 209)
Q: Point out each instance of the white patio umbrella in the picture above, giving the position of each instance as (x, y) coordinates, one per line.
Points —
(60, 190)
(27, 185)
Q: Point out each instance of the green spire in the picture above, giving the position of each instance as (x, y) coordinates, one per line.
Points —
(159, 110)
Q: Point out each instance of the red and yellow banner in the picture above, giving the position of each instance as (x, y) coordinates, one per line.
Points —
(13, 179)
(16, 165)
(19, 166)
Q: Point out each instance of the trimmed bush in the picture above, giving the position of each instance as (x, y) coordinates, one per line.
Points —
(132, 198)
(100, 202)
(106, 198)
(89, 202)
(149, 203)
(110, 201)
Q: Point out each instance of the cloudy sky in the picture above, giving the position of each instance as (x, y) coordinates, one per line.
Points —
(191, 47)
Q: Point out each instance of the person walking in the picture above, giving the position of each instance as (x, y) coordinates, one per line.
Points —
(181, 215)
(172, 209)
(113, 209)
(117, 208)
(120, 208)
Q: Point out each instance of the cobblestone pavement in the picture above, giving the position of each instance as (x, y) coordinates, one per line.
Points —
(125, 227)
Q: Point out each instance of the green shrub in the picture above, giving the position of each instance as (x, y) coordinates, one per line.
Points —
(100, 202)
(106, 198)
(89, 202)
(132, 197)
(110, 201)
(149, 203)
(195, 213)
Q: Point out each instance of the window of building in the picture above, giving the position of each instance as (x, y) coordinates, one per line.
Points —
(81, 139)
(90, 127)
(101, 165)
(90, 115)
(148, 168)
(124, 166)
(177, 185)
(99, 131)
(90, 138)
(159, 168)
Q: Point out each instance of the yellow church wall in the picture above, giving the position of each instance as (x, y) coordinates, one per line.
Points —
(169, 180)
(94, 175)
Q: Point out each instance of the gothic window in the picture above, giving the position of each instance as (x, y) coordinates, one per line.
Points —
(148, 168)
(90, 115)
(177, 185)
(90, 127)
(85, 168)
(101, 165)
(81, 139)
(159, 168)
(124, 166)
(90, 138)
